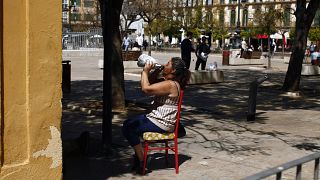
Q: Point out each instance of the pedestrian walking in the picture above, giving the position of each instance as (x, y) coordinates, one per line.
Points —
(145, 44)
(126, 42)
(186, 49)
(314, 57)
(139, 40)
(312, 48)
(202, 54)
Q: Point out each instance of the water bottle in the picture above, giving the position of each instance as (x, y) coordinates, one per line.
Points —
(143, 59)
(215, 66)
(211, 68)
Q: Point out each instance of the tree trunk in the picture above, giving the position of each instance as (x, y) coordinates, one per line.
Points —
(222, 43)
(149, 47)
(304, 18)
(269, 52)
(283, 37)
(113, 77)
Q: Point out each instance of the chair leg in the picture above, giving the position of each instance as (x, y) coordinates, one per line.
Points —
(176, 158)
(166, 142)
(145, 153)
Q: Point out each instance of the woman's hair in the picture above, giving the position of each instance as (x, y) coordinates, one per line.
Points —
(182, 74)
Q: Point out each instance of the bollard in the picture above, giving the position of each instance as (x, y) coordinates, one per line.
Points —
(66, 76)
(251, 114)
(225, 57)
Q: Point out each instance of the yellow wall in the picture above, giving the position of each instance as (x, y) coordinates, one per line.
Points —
(31, 143)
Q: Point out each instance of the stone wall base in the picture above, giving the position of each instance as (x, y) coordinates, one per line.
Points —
(206, 77)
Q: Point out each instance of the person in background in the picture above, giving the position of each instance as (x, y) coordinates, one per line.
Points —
(186, 49)
(312, 48)
(314, 57)
(126, 42)
(197, 46)
(273, 47)
(145, 44)
(243, 48)
(139, 40)
(162, 117)
(202, 54)
(135, 47)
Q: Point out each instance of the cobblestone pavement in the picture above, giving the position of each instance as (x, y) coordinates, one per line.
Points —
(220, 143)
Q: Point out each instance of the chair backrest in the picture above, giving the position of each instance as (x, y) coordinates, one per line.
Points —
(178, 113)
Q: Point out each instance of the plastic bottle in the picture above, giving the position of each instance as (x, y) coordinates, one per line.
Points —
(211, 67)
(143, 59)
(215, 66)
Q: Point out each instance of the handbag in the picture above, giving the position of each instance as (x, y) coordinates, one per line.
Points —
(181, 130)
(204, 56)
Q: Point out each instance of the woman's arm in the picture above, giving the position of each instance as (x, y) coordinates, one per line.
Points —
(161, 88)
(154, 76)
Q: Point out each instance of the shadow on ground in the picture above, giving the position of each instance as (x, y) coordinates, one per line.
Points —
(226, 102)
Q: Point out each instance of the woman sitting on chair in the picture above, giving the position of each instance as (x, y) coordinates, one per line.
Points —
(162, 118)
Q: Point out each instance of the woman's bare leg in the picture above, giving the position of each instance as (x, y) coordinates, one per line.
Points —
(139, 151)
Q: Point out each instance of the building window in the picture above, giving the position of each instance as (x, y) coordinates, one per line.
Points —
(209, 17)
(233, 17)
(65, 7)
(232, 1)
(188, 18)
(286, 19)
(208, 2)
(195, 3)
(75, 17)
(65, 16)
(77, 2)
(221, 17)
(88, 3)
(88, 17)
(178, 3)
(187, 3)
(245, 17)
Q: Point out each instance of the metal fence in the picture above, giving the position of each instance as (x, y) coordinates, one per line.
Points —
(90, 40)
(277, 171)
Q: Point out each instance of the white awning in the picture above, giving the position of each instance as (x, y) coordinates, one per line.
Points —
(279, 36)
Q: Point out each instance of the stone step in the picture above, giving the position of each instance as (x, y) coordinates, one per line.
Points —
(310, 70)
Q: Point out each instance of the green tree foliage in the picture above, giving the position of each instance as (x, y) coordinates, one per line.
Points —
(267, 21)
(156, 26)
(173, 29)
(267, 24)
(152, 12)
(219, 31)
(292, 33)
(195, 22)
(314, 34)
(249, 32)
(197, 19)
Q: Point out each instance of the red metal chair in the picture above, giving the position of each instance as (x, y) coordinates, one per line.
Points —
(153, 137)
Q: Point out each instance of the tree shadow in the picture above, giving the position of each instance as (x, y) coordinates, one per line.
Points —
(158, 161)
(214, 113)
(84, 156)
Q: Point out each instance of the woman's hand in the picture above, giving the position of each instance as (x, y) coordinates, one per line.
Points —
(148, 66)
